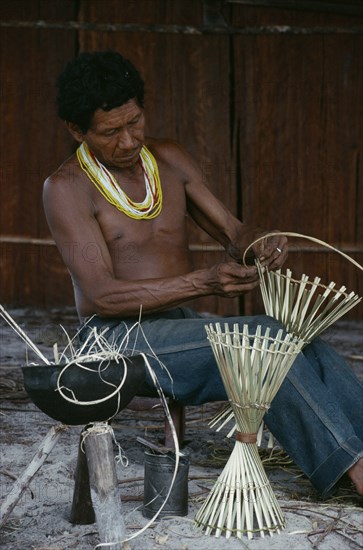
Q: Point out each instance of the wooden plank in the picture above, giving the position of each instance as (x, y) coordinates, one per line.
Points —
(28, 10)
(324, 6)
(202, 30)
(263, 16)
(144, 12)
(33, 275)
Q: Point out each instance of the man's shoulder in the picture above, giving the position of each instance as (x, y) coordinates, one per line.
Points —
(170, 152)
(163, 147)
(61, 190)
(65, 173)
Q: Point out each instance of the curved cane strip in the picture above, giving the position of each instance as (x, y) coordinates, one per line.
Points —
(77, 362)
(308, 237)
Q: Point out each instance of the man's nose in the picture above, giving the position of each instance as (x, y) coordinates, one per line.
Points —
(125, 140)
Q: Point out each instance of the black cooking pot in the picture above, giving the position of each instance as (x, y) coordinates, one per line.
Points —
(97, 380)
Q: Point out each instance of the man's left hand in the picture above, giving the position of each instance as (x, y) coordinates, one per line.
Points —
(272, 251)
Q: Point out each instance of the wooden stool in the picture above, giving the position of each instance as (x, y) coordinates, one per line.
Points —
(95, 475)
(96, 496)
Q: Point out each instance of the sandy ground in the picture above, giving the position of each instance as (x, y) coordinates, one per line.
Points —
(40, 521)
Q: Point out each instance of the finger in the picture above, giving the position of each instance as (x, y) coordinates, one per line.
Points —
(273, 246)
(278, 258)
(246, 274)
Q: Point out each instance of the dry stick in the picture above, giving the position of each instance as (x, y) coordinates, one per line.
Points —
(23, 482)
(12, 476)
(327, 530)
(9, 474)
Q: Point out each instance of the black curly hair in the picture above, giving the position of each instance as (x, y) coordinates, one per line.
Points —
(97, 80)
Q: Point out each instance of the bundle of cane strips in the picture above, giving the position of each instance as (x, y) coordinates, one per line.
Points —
(252, 369)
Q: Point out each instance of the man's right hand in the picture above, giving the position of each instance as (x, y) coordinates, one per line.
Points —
(230, 279)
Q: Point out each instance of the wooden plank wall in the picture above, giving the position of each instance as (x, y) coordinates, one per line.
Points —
(274, 118)
(32, 144)
(298, 107)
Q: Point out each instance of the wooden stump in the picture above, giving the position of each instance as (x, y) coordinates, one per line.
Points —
(103, 485)
(82, 512)
(177, 413)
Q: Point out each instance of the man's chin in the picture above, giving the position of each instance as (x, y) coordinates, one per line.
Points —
(121, 164)
(126, 162)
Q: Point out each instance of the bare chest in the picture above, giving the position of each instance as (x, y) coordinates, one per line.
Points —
(125, 230)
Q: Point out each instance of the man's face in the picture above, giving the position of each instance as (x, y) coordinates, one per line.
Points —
(117, 136)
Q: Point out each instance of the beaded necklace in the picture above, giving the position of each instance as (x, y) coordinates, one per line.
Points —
(107, 185)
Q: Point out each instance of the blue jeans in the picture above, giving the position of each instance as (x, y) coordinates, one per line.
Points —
(316, 415)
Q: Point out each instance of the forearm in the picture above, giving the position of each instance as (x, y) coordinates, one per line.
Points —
(123, 298)
(234, 235)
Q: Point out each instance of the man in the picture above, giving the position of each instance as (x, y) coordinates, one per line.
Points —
(118, 211)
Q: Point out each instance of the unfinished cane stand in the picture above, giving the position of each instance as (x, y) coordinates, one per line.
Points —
(252, 368)
(305, 307)
(96, 493)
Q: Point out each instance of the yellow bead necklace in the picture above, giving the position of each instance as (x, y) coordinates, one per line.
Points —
(107, 185)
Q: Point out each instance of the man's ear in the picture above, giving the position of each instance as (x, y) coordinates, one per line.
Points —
(75, 131)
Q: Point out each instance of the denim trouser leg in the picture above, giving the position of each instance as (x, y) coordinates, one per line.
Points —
(317, 415)
(314, 415)
(191, 373)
